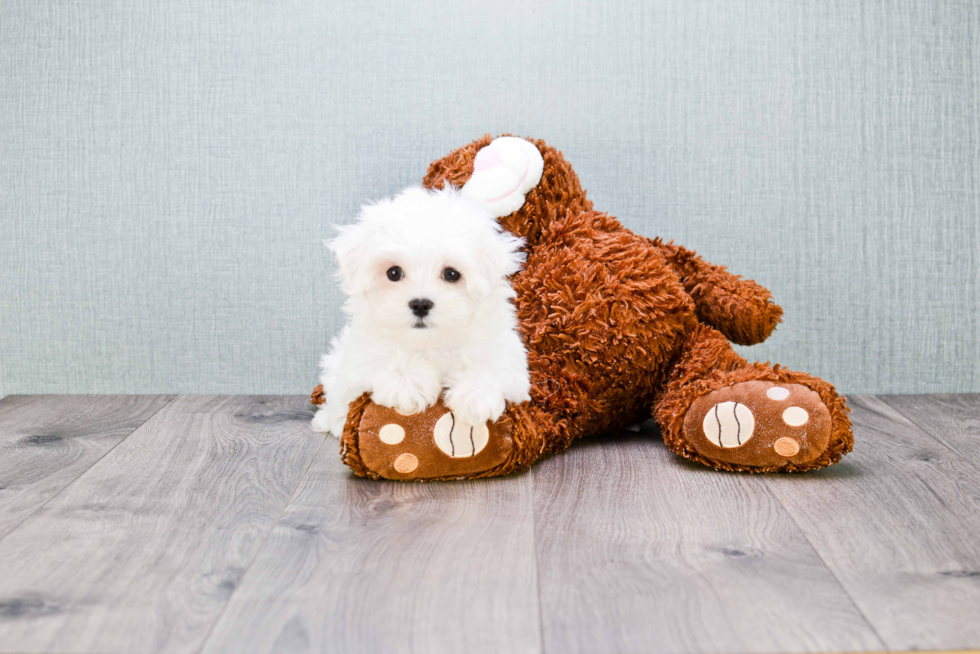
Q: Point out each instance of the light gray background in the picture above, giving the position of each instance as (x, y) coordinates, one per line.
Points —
(169, 169)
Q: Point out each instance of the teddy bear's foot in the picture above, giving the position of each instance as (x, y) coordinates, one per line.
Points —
(728, 414)
(434, 444)
(759, 424)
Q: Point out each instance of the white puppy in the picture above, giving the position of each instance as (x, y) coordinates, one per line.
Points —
(429, 310)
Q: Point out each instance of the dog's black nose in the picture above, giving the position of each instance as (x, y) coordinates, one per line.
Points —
(420, 307)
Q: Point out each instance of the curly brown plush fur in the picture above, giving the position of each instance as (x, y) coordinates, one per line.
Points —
(620, 327)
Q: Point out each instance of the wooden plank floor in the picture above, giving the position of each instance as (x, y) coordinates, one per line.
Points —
(223, 524)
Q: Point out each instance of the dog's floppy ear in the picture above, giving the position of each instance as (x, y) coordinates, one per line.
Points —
(503, 173)
(498, 258)
(352, 247)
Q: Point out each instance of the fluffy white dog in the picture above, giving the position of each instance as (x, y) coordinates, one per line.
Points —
(429, 310)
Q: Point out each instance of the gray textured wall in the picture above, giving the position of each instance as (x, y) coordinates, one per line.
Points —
(168, 169)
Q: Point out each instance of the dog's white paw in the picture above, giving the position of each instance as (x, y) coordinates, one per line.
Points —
(406, 395)
(475, 403)
(319, 422)
(326, 423)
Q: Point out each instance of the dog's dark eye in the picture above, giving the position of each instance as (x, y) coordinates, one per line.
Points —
(394, 273)
(451, 274)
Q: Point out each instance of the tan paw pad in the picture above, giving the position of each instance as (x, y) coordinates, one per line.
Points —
(795, 416)
(460, 439)
(786, 447)
(728, 424)
(392, 434)
(777, 393)
(406, 463)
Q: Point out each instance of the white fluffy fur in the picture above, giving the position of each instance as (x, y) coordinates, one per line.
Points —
(469, 347)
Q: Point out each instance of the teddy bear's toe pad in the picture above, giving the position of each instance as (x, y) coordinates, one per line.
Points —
(433, 444)
(760, 424)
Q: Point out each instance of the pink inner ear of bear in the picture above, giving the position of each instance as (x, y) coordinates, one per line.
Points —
(486, 158)
(527, 169)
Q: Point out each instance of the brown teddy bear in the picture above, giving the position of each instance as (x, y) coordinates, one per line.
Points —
(618, 328)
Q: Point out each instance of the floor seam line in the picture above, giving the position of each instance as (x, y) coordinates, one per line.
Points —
(258, 551)
(94, 463)
(932, 437)
(829, 569)
(537, 565)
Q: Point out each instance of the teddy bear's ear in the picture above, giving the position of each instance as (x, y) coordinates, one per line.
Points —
(503, 173)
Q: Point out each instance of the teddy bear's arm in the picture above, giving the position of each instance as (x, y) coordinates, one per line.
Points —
(739, 308)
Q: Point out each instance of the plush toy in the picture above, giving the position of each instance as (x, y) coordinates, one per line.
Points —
(618, 328)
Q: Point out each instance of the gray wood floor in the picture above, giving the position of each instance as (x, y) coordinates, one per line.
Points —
(223, 524)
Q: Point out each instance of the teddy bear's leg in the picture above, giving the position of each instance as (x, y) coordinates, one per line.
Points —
(722, 411)
(739, 308)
